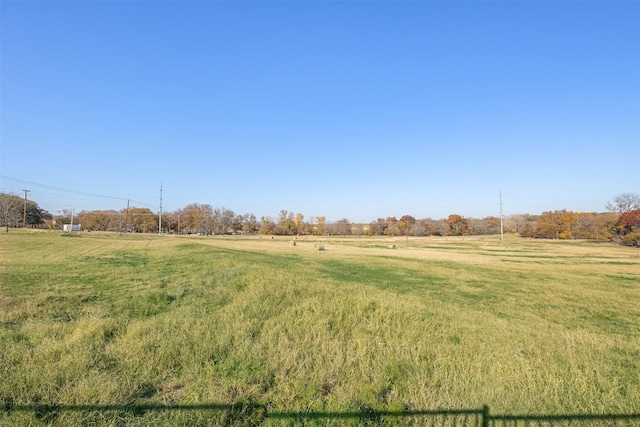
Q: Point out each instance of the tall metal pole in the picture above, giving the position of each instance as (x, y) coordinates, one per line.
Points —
(25, 207)
(501, 228)
(160, 219)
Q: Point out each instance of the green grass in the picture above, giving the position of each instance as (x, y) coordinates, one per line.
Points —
(525, 327)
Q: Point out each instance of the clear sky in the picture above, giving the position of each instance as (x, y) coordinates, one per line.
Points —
(343, 109)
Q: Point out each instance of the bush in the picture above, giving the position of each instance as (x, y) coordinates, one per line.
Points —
(631, 239)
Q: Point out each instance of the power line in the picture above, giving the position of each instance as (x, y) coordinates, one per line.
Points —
(66, 190)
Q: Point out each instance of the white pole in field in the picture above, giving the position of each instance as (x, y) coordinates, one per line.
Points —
(160, 220)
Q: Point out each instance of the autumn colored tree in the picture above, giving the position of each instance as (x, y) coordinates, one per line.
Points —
(190, 217)
(405, 223)
(286, 223)
(458, 225)
(299, 223)
(143, 220)
(629, 227)
(321, 227)
(549, 225)
(267, 225)
(556, 225)
(568, 221)
(392, 228)
(99, 220)
(604, 227)
(527, 230)
(630, 220)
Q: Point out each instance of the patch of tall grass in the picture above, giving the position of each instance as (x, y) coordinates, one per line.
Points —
(533, 327)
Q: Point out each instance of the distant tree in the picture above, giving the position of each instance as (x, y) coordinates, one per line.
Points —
(222, 220)
(100, 220)
(321, 227)
(458, 225)
(249, 224)
(206, 222)
(143, 220)
(190, 218)
(605, 226)
(282, 219)
(299, 223)
(630, 219)
(556, 225)
(440, 227)
(341, 227)
(36, 216)
(378, 227)
(516, 222)
(549, 225)
(392, 228)
(289, 227)
(624, 202)
(628, 227)
(485, 226)
(245, 223)
(585, 225)
(569, 221)
(267, 225)
(63, 217)
(172, 221)
(358, 229)
(10, 210)
(418, 229)
(527, 230)
(405, 224)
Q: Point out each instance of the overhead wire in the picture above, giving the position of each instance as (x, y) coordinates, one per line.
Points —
(66, 190)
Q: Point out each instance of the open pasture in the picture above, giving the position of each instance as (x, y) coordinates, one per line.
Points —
(539, 327)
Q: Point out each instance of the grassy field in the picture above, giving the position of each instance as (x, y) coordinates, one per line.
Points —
(540, 327)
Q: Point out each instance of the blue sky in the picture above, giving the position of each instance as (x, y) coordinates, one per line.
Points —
(352, 109)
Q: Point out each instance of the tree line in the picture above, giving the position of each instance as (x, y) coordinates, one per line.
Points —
(620, 224)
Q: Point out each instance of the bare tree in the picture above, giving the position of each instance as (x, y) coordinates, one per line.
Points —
(341, 227)
(222, 220)
(625, 202)
(10, 210)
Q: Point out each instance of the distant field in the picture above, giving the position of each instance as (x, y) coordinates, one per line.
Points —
(523, 326)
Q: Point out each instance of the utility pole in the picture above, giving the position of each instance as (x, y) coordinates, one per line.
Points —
(160, 219)
(126, 218)
(501, 228)
(25, 207)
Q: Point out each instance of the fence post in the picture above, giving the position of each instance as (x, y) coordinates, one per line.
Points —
(485, 416)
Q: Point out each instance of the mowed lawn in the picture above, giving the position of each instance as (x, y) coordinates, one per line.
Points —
(539, 327)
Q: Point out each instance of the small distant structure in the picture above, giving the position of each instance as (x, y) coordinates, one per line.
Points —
(68, 228)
